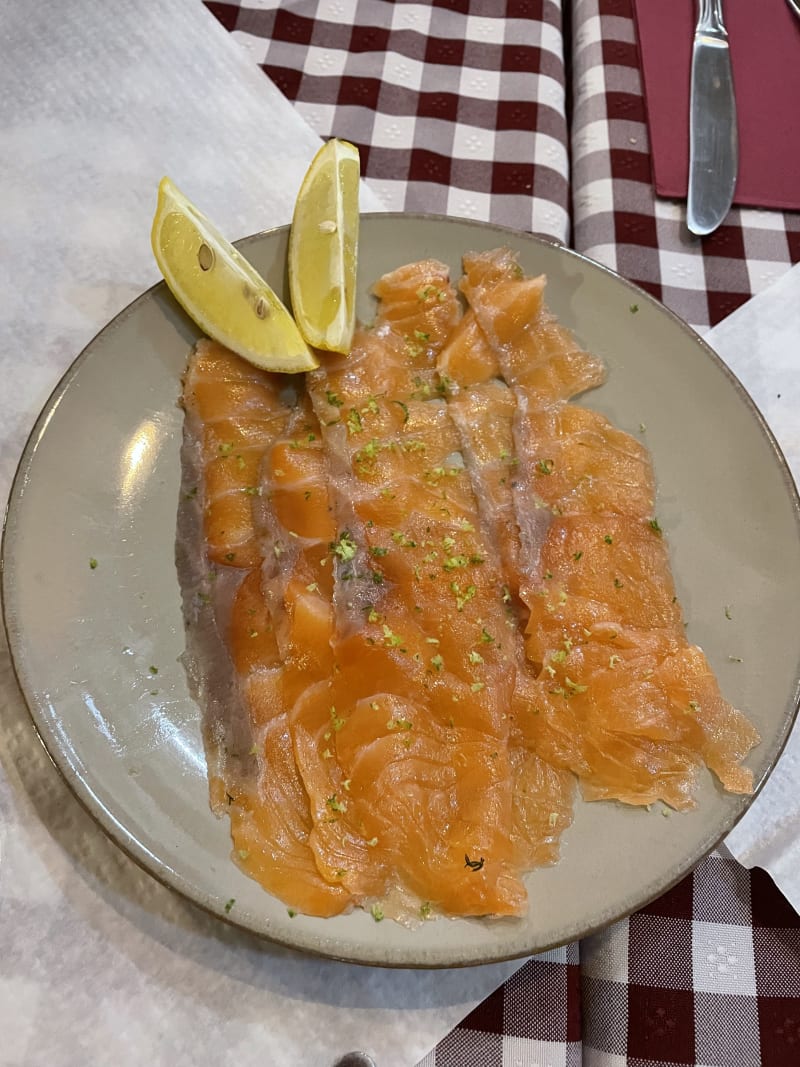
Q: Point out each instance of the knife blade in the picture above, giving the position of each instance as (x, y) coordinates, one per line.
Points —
(713, 136)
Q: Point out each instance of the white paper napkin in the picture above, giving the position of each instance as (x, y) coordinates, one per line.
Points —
(761, 344)
(98, 963)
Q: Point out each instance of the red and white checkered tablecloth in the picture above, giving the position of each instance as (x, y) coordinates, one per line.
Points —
(530, 113)
(617, 218)
(454, 110)
(707, 975)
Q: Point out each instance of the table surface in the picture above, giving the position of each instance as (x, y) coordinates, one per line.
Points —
(533, 120)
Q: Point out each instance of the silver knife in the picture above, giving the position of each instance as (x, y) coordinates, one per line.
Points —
(713, 139)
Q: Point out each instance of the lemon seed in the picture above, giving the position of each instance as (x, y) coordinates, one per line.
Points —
(205, 257)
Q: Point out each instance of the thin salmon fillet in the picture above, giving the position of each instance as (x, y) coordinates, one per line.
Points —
(235, 414)
(236, 409)
(483, 416)
(413, 720)
(604, 627)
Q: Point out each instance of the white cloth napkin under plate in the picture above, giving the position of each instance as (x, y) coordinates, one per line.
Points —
(760, 342)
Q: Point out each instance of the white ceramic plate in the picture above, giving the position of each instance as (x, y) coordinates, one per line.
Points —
(99, 480)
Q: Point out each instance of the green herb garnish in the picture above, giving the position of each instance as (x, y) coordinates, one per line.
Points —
(345, 548)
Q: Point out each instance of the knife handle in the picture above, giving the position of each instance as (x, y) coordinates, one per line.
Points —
(709, 19)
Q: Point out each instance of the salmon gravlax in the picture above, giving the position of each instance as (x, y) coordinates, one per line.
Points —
(427, 600)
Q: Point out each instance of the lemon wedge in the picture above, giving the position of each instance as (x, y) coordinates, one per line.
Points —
(220, 290)
(323, 248)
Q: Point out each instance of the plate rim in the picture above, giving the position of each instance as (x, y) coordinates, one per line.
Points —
(159, 868)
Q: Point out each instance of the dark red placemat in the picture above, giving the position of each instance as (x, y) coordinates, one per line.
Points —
(764, 40)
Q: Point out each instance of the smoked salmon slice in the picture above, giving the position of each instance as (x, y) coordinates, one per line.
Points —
(236, 417)
(413, 720)
(604, 628)
(426, 593)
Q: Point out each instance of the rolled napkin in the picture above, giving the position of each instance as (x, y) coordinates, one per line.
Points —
(759, 343)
